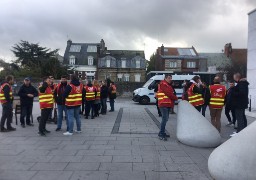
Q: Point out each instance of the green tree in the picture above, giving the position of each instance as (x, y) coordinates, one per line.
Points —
(37, 61)
(151, 63)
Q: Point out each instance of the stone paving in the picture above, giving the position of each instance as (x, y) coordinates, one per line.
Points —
(118, 146)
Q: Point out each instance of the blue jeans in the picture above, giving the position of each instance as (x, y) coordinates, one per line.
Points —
(165, 116)
(73, 113)
(112, 106)
(61, 108)
(104, 105)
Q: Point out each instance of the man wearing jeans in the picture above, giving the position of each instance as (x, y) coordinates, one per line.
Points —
(166, 99)
(59, 99)
(240, 101)
(73, 95)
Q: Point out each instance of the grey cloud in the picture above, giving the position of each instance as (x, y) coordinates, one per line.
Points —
(122, 24)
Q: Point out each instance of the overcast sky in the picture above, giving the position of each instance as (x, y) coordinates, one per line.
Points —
(125, 24)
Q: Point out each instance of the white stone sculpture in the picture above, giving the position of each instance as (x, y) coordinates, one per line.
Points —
(194, 129)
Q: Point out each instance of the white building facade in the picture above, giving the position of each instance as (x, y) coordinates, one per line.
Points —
(251, 58)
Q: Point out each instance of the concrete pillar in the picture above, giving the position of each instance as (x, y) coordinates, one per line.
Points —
(251, 57)
(194, 129)
(236, 158)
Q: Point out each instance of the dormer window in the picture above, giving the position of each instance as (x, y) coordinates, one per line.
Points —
(123, 63)
(72, 60)
(90, 60)
(137, 63)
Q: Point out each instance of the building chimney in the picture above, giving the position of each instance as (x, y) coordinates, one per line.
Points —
(162, 49)
(69, 42)
(228, 49)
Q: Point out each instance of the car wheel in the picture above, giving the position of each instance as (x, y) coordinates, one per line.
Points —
(144, 100)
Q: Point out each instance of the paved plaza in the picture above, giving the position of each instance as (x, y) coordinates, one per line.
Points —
(118, 146)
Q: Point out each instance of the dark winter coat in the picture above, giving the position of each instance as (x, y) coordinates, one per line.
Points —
(240, 95)
(206, 95)
(58, 94)
(104, 92)
(23, 93)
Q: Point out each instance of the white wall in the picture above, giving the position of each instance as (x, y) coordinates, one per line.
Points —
(251, 58)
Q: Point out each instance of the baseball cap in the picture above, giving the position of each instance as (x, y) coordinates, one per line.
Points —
(27, 78)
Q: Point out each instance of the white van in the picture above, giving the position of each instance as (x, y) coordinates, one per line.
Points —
(145, 94)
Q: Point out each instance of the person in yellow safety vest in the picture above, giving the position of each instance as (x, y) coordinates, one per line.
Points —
(90, 95)
(46, 101)
(6, 99)
(73, 94)
(218, 93)
(195, 93)
(112, 96)
(166, 99)
(97, 98)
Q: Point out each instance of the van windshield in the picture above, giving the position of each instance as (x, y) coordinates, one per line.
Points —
(148, 83)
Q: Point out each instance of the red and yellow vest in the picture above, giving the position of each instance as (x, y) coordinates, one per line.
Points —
(75, 96)
(163, 100)
(90, 93)
(194, 99)
(113, 89)
(2, 97)
(218, 93)
(46, 99)
(98, 93)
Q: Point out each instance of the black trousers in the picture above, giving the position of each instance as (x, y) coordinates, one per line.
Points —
(44, 117)
(233, 112)
(198, 108)
(89, 108)
(6, 115)
(158, 110)
(241, 119)
(26, 111)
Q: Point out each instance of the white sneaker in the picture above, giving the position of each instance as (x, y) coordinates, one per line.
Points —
(67, 134)
(229, 124)
(234, 134)
(78, 131)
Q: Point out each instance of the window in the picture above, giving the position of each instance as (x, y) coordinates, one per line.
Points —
(165, 50)
(72, 60)
(119, 77)
(123, 63)
(191, 64)
(126, 77)
(108, 63)
(137, 63)
(75, 48)
(90, 60)
(91, 48)
(137, 77)
(173, 64)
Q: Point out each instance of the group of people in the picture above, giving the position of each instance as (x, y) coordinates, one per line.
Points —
(198, 94)
(71, 98)
(216, 96)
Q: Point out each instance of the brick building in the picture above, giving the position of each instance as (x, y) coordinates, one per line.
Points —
(237, 56)
(179, 60)
(122, 65)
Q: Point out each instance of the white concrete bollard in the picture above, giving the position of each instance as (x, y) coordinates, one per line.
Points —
(194, 129)
(236, 158)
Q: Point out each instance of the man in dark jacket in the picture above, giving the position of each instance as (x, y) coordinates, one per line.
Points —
(103, 97)
(27, 93)
(206, 96)
(240, 101)
(228, 106)
(59, 99)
